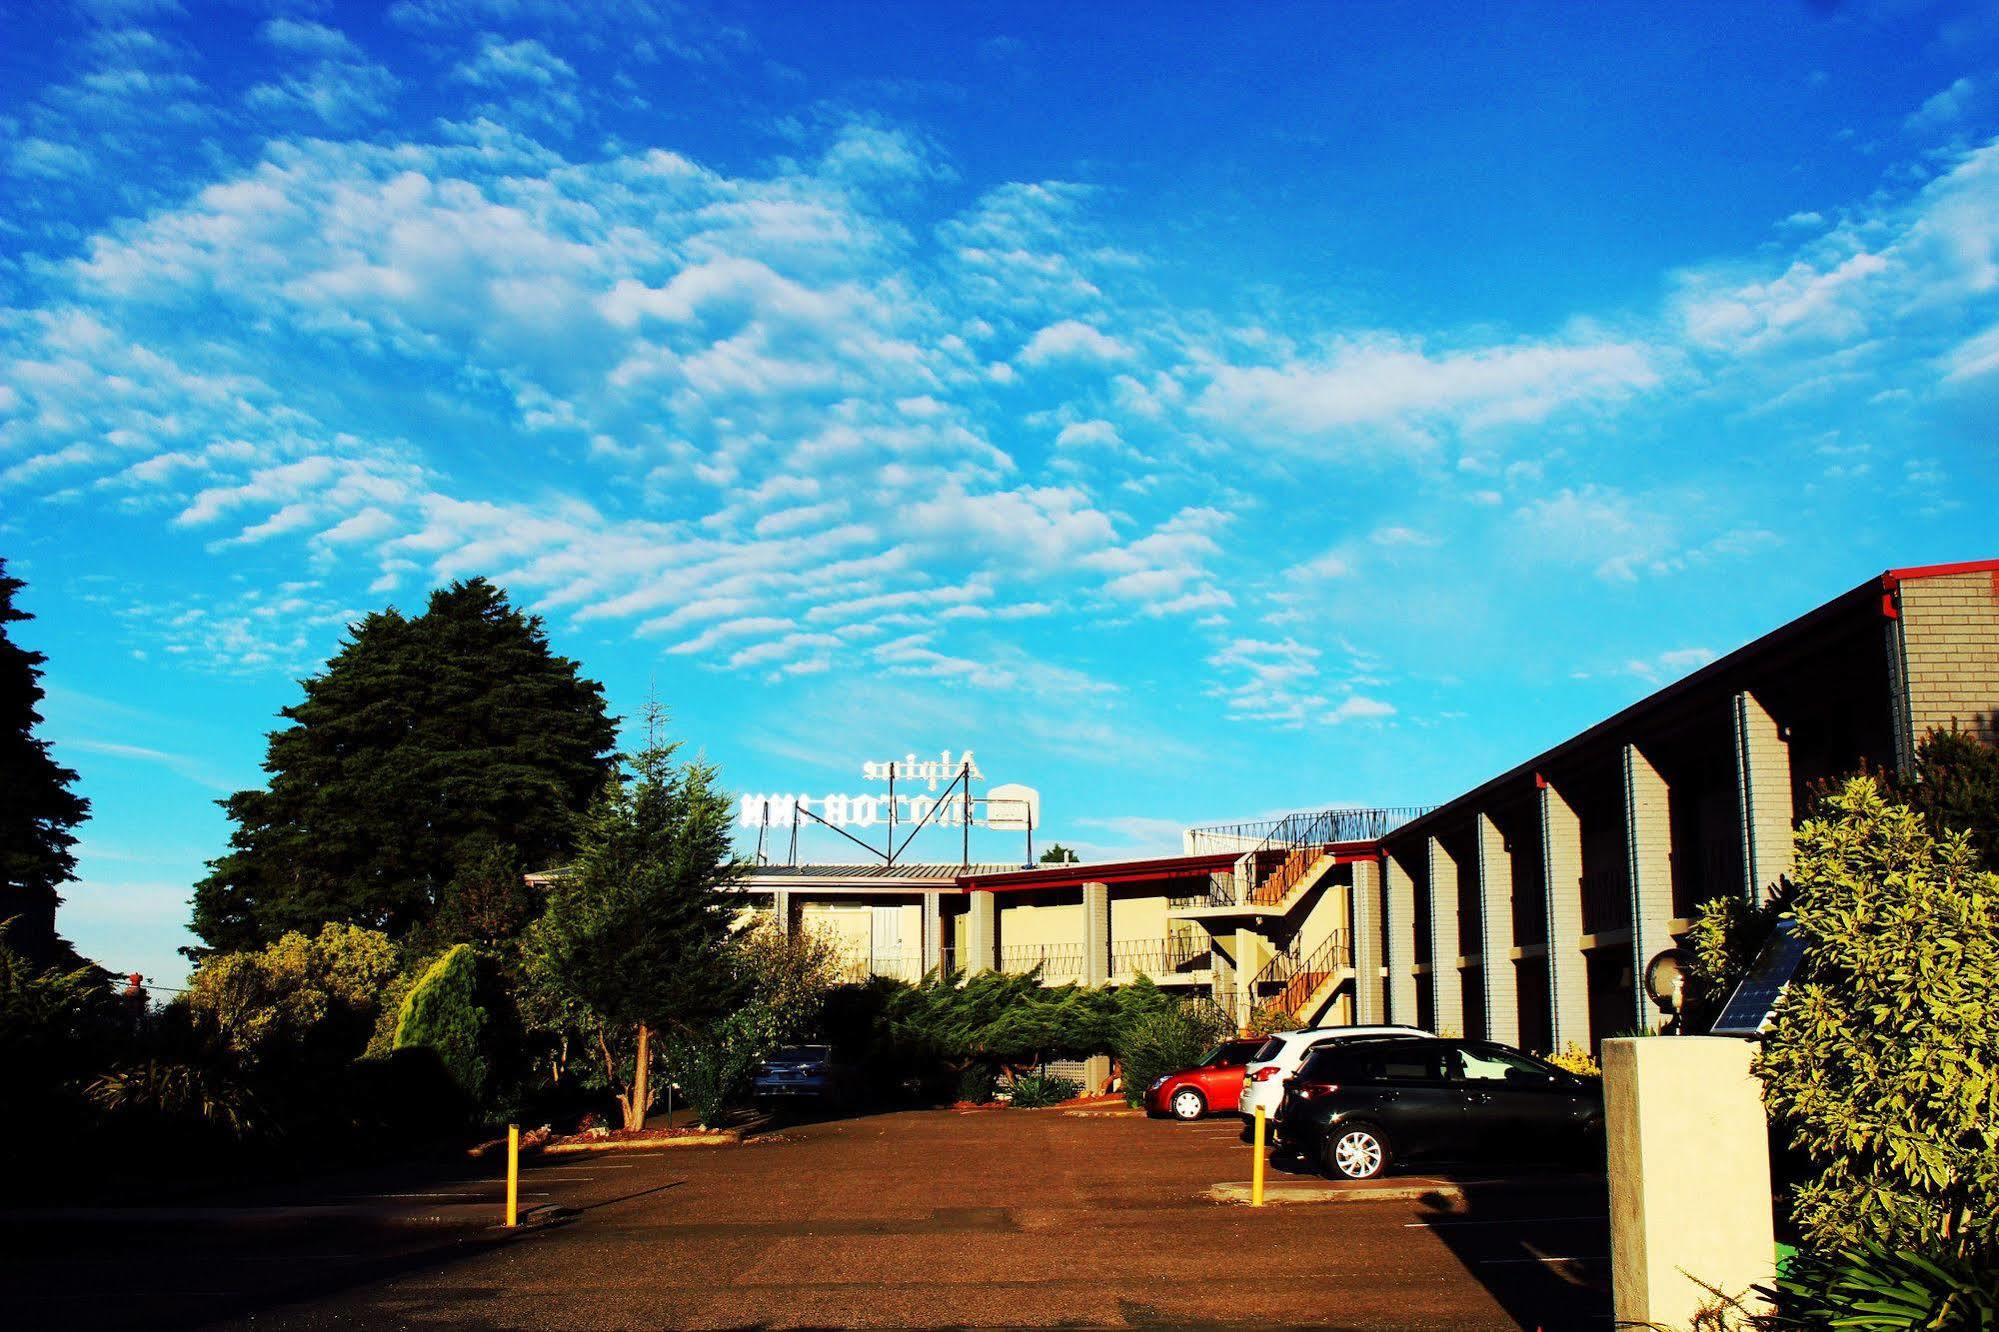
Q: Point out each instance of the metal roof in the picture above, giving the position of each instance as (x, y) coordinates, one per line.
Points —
(940, 875)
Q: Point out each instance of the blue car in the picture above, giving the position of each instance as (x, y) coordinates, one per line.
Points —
(803, 1073)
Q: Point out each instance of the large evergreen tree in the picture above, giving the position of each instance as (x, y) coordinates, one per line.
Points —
(426, 742)
(37, 807)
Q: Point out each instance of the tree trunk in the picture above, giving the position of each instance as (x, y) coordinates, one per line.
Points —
(635, 1112)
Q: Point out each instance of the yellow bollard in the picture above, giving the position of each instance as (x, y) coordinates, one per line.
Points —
(1256, 1170)
(512, 1173)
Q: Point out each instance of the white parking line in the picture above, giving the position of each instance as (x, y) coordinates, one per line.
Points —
(1579, 1258)
(1505, 1221)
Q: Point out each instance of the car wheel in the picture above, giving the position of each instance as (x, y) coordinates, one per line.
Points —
(1356, 1151)
(1189, 1104)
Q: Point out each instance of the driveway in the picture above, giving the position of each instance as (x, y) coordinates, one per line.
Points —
(921, 1218)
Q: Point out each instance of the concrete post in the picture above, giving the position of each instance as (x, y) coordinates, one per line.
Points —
(981, 934)
(1648, 844)
(1561, 886)
(1096, 933)
(1364, 939)
(1763, 797)
(1447, 993)
(1495, 906)
(1251, 952)
(1689, 1163)
(780, 910)
(1398, 891)
(933, 932)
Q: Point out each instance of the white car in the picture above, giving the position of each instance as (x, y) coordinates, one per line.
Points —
(1263, 1078)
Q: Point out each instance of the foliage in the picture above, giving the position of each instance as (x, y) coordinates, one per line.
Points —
(300, 999)
(487, 901)
(1576, 1059)
(978, 1084)
(1268, 1018)
(1012, 1021)
(201, 1086)
(55, 1028)
(636, 931)
(713, 1070)
(1035, 1090)
(423, 740)
(1877, 1289)
(1883, 1057)
(786, 977)
(38, 808)
(1058, 854)
(1158, 1044)
(442, 1013)
(1954, 785)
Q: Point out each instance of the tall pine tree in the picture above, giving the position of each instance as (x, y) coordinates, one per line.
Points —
(425, 743)
(37, 807)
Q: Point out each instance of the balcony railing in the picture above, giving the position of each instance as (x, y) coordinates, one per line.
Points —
(1606, 900)
(1303, 829)
(1161, 957)
(896, 966)
(1058, 962)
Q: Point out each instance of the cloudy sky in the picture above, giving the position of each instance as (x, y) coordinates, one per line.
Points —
(1198, 412)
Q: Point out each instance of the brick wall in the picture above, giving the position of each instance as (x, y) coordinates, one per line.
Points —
(1950, 641)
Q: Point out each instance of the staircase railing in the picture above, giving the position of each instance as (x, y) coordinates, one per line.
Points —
(1301, 976)
(1277, 884)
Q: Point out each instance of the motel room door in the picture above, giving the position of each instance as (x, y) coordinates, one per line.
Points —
(888, 959)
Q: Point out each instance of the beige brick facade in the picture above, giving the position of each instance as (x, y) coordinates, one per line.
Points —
(1446, 981)
(1495, 901)
(1763, 797)
(1398, 890)
(1366, 941)
(1561, 878)
(1950, 652)
(1648, 841)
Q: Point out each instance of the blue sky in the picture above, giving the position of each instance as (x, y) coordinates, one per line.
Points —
(1198, 412)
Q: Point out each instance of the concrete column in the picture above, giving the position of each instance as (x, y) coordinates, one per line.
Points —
(933, 932)
(1251, 952)
(1689, 1162)
(1763, 797)
(780, 910)
(1446, 982)
(1561, 886)
(1398, 891)
(1364, 940)
(1495, 913)
(1096, 933)
(1648, 845)
(981, 934)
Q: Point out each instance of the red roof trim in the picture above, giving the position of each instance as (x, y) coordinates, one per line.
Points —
(1895, 576)
(1123, 871)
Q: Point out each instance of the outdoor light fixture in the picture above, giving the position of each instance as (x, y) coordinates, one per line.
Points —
(1666, 982)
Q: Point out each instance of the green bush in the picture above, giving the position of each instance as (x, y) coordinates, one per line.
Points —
(1040, 1089)
(714, 1069)
(1158, 1044)
(1874, 1288)
(1882, 1061)
(442, 1013)
(977, 1083)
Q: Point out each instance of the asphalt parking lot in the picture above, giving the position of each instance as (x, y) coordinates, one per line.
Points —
(920, 1218)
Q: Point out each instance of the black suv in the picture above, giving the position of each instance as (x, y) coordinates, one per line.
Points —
(1356, 1108)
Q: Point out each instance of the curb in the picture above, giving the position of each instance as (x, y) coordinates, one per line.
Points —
(259, 1218)
(1284, 1195)
(719, 1138)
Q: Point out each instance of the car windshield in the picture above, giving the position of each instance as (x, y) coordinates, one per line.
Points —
(1269, 1050)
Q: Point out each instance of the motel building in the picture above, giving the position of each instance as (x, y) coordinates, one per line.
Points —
(1524, 910)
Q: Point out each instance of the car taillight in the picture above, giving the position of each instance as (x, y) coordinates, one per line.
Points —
(1266, 1073)
(1309, 1090)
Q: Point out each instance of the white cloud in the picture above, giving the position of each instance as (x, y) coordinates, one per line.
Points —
(1073, 340)
(305, 37)
(1387, 381)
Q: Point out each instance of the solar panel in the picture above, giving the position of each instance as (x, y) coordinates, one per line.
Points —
(1749, 1009)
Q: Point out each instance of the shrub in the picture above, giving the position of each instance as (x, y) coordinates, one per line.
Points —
(1155, 1045)
(1882, 1061)
(977, 1083)
(1040, 1089)
(304, 999)
(1873, 1287)
(713, 1070)
(1576, 1059)
(441, 1013)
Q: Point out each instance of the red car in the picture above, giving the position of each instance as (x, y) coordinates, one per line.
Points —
(1212, 1084)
